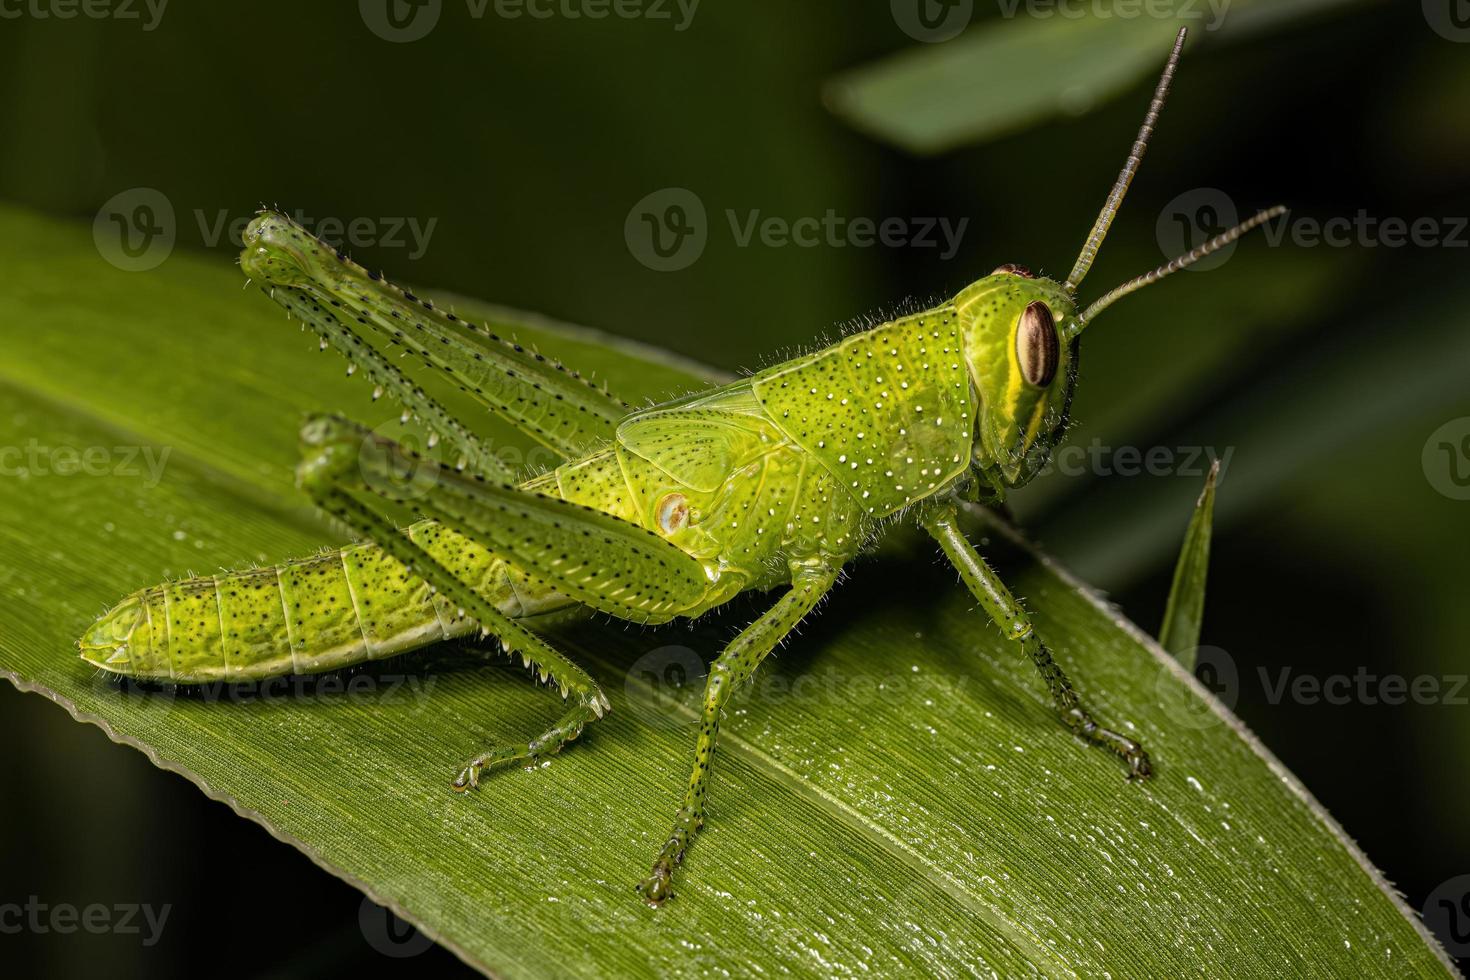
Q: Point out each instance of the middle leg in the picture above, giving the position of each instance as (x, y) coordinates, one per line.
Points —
(587, 556)
(734, 667)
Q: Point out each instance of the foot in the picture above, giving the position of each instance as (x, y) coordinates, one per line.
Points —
(530, 753)
(469, 776)
(658, 887)
(1139, 766)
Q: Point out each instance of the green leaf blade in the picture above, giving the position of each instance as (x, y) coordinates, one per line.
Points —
(1010, 73)
(1184, 613)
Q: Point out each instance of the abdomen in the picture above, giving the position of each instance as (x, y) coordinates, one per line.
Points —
(338, 608)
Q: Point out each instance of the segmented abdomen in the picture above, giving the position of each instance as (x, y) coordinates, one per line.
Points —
(332, 610)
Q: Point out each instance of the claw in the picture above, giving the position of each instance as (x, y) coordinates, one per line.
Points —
(658, 887)
(467, 779)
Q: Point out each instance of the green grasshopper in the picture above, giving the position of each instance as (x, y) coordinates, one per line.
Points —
(779, 479)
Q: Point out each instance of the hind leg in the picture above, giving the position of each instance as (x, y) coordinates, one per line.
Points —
(589, 557)
(323, 478)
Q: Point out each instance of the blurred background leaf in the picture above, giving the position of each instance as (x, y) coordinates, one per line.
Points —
(1033, 61)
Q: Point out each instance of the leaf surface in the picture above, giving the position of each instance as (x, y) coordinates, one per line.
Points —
(893, 794)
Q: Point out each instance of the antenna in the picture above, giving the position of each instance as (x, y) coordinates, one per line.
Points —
(1174, 265)
(1125, 177)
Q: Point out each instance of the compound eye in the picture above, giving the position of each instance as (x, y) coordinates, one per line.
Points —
(1010, 268)
(1037, 348)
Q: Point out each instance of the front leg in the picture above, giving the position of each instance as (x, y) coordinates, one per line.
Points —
(733, 668)
(1003, 608)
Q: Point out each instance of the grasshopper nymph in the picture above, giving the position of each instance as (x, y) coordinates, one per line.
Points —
(777, 480)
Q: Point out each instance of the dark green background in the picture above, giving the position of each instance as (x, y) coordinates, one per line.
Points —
(1325, 369)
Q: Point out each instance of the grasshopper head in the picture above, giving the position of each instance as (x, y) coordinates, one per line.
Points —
(1021, 331)
(109, 642)
(1015, 328)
